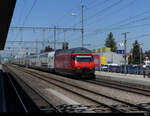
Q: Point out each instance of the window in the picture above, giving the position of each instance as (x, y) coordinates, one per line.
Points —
(84, 58)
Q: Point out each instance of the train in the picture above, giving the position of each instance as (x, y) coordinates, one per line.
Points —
(75, 62)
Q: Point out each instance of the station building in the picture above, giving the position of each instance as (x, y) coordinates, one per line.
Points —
(107, 57)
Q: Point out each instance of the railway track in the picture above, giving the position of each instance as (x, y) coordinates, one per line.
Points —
(16, 99)
(48, 107)
(122, 106)
(121, 86)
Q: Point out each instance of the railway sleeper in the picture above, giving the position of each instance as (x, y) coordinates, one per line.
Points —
(127, 109)
(145, 105)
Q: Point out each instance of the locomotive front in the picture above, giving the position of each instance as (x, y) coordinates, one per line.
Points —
(83, 64)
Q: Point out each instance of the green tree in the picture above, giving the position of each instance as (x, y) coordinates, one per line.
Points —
(65, 45)
(47, 49)
(135, 57)
(147, 54)
(130, 57)
(110, 42)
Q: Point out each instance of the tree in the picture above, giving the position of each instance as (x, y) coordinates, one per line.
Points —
(110, 42)
(47, 49)
(147, 54)
(135, 57)
(65, 45)
(130, 58)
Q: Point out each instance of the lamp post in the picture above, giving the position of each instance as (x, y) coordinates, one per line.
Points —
(125, 43)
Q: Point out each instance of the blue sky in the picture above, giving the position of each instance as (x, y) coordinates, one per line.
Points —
(100, 18)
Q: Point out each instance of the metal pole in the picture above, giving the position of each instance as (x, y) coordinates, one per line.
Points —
(43, 38)
(36, 47)
(125, 43)
(140, 55)
(64, 36)
(55, 37)
(82, 24)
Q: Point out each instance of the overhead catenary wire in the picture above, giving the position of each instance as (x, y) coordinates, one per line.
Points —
(68, 13)
(112, 13)
(90, 16)
(26, 17)
(103, 10)
(128, 19)
(21, 11)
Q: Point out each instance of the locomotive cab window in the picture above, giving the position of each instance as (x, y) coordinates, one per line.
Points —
(84, 58)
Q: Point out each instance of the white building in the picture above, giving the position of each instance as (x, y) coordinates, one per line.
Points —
(107, 58)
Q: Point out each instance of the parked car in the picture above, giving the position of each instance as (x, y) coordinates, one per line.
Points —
(104, 67)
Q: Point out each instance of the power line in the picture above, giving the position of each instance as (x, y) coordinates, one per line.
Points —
(46, 28)
(91, 15)
(70, 11)
(114, 12)
(127, 19)
(130, 18)
(26, 17)
(140, 36)
(103, 10)
(54, 29)
(21, 10)
(97, 4)
(134, 21)
(120, 27)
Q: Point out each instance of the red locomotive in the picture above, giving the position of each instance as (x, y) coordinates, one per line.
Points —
(78, 62)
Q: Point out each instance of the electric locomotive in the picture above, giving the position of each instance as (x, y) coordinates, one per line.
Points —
(78, 62)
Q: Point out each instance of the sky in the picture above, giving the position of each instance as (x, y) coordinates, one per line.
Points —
(100, 18)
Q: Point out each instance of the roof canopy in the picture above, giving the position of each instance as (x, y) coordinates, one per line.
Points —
(6, 13)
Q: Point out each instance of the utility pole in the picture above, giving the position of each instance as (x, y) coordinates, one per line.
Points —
(125, 44)
(43, 38)
(36, 47)
(64, 36)
(82, 24)
(140, 53)
(55, 37)
(140, 56)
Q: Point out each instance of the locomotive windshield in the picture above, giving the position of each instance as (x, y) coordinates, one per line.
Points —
(82, 58)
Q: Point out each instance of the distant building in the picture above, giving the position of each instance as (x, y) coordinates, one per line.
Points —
(112, 58)
(100, 50)
(107, 58)
(146, 61)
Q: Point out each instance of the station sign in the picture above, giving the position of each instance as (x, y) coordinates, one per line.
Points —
(120, 51)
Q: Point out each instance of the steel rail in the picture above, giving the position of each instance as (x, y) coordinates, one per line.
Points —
(77, 93)
(38, 93)
(121, 87)
(31, 72)
(124, 84)
(19, 97)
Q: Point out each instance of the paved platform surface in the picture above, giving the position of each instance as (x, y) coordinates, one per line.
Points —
(130, 78)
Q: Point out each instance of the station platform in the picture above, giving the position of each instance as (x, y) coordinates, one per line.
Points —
(129, 78)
